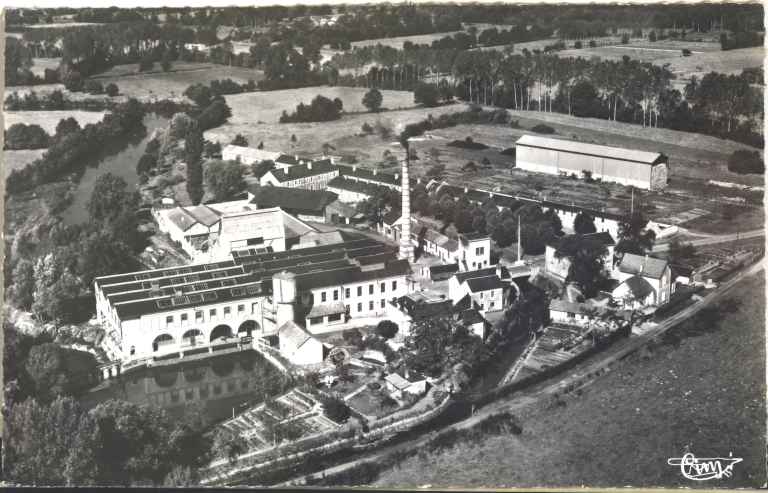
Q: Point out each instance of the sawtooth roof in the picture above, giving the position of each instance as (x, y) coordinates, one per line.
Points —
(293, 199)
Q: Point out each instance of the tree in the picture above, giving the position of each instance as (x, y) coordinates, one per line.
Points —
(336, 409)
(229, 444)
(57, 371)
(165, 61)
(633, 237)
(744, 162)
(193, 151)
(66, 126)
(584, 224)
(224, 179)
(652, 36)
(260, 169)
(426, 94)
(22, 290)
(111, 199)
(239, 140)
(146, 64)
(112, 90)
(22, 136)
(679, 251)
(319, 110)
(214, 115)
(587, 262)
(387, 329)
(372, 100)
(93, 87)
(584, 99)
(200, 94)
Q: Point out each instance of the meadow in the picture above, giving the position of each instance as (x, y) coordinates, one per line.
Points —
(399, 41)
(700, 388)
(19, 159)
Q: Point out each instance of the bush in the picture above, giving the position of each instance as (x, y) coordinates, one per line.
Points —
(543, 129)
(372, 100)
(746, 162)
(366, 128)
(509, 151)
(73, 81)
(112, 90)
(624, 38)
(387, 329)
(592, 43)
(146, 64)
(577, 45)
(468, 143)
(335, 409)
(426, 94)
(93, 87)
(239, 140)
(321, 109)
(686, 52)
(22, 136)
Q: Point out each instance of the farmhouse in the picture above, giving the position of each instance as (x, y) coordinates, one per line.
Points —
(644, 281)
(647, 170)
(310, 175)
(156, 312)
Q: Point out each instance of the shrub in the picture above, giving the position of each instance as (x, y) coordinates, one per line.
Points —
(372, 100)
(686, 52)
(577, 45)
(321, 109)
(745, 162)
(366, 128)
(73, 81)
(335, 409)
(239, 140)
(93, 87)
(509, 151)
(624, 38)
(543, 129)
(592, 43)
(112, 90)
(426, 94)
(22, 136)
(146, 64)
(387, 329)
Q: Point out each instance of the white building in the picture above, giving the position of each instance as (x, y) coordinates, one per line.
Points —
(310, 175)
(647, 170)
(299, 346)
(644, 281)
(157, 312)
(210, 232)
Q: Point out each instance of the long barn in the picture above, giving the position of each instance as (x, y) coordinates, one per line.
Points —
(641, 169)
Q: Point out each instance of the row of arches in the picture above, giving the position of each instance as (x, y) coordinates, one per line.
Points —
(195, 336)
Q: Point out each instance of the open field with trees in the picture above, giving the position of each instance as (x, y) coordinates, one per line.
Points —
(399, 41)
(701, 387)
(18, 159)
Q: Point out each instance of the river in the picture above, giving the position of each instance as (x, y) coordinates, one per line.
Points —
(121, 163)
(218, 386)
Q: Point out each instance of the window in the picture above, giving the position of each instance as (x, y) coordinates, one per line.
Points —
(322, 297)
(346, 292)
(335, 317)
(199, 316)
(359, 290)
(370, 289)
(183, 317)
(169, 320)
(335, 295)
(240, 308)
(346, 308)
(492, 304)
(315, 320)
(227, 310)
(359, 307)
(254, 306)
(479, 250)
(370, 305)
(383, 287)
(383, 302)
(212, 313)
(394, 285)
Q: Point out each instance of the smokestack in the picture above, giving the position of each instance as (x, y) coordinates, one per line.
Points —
(406, 248)
(309, 164)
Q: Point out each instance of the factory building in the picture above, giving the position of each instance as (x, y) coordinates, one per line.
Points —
(176, 310)
(647, 170)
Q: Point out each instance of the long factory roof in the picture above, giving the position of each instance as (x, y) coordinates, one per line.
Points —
(247, 275)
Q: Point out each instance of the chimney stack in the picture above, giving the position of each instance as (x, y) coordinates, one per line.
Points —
(309, 164)
(354, 168)
(375, 171)
(406, 248)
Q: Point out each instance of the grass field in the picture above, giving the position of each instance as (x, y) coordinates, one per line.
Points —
(255, 115)
(397, 42)
(18, 159)
(49, 119)
(701, 389)
(172, 84)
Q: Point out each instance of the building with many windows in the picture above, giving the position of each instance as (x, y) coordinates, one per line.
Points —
(312, 175)
(155, 312)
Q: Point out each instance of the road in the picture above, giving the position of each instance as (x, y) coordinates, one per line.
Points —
(536, 393)
(714, 239)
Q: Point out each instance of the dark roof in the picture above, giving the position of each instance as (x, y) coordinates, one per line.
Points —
(478, 284)
(443, 271)
(474, 236)
(471, 317)
(488, 271)
(419, 310)
(293, 199)
(351, 274)
(391, 217)
(603, 237)
(286, 159)
(299, 171)
(639, 287)
(642, 265)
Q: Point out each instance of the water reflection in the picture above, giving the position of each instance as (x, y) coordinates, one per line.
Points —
(218, 384)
